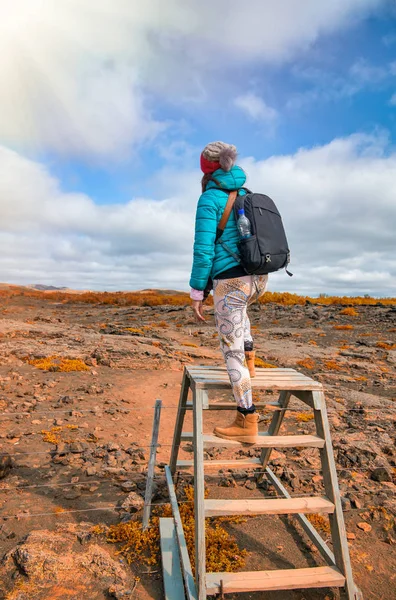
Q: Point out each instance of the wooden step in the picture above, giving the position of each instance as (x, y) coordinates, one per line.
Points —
(264, 441)
(282, 579)
(274, 379)
(221, 464)
(273, 506)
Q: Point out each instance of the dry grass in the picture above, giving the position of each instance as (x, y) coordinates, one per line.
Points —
(350, 312)
(304, 417)
(319, 522)
(222, 551)
(190, 345)
(259, 362)
(58, 363)
(51, 436)
(160, 298)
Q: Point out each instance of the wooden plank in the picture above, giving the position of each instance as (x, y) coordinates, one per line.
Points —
(330, 480)
(151, 465)
(232, 405)
(282, 579)
(276, 422)
(199, 495)
(265, 440)
(192, 368)
(171, 571)
(263, 375)
(181, 412)
(221, 464)
(215, 384)
(305, 524)
(188, 578)
(259, 373)
(274, 506)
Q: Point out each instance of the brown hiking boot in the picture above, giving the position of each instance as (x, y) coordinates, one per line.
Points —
(244, 429)
(250, 355)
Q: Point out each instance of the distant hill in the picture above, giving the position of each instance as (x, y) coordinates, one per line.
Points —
(47, 288)
(159, 291)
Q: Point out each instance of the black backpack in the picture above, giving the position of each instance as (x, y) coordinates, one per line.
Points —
(266, 250)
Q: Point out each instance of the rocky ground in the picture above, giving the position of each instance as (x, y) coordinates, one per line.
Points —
(79, 440)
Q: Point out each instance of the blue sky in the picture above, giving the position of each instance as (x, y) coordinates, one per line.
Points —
(107, 107)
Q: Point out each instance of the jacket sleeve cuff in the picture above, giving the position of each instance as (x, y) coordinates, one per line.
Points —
(196, 294)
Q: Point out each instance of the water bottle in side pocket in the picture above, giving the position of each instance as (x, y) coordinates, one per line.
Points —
(243, 225)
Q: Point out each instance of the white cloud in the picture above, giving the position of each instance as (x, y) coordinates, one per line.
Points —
(338, 203)
(256, 108)
(393, 100)
(77, 74)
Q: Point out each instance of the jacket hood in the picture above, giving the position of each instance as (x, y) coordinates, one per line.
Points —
(228, 180)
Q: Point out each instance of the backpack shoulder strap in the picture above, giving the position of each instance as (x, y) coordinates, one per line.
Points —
(226, 214)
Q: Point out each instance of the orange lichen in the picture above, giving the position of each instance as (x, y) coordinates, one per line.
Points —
(332, 365)
(190, 345)
(385, 346)
(134, 331)
(307, 363)
(343, 327)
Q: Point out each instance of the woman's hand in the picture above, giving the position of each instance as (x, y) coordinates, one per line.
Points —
(198, 309)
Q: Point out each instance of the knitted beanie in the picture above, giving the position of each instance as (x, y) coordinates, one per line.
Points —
(218, 155)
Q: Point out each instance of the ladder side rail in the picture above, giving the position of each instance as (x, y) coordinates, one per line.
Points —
(330, 480)
(200, 396)
(181, 413)
(151, 466)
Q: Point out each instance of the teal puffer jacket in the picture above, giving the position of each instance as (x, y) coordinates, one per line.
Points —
(211, 259)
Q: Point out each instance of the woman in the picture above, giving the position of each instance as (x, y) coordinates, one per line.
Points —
(233, 290)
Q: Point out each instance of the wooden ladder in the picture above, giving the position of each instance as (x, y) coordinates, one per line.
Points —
(338, 573)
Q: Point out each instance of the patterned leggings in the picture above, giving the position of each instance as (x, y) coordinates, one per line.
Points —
(231, 299)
